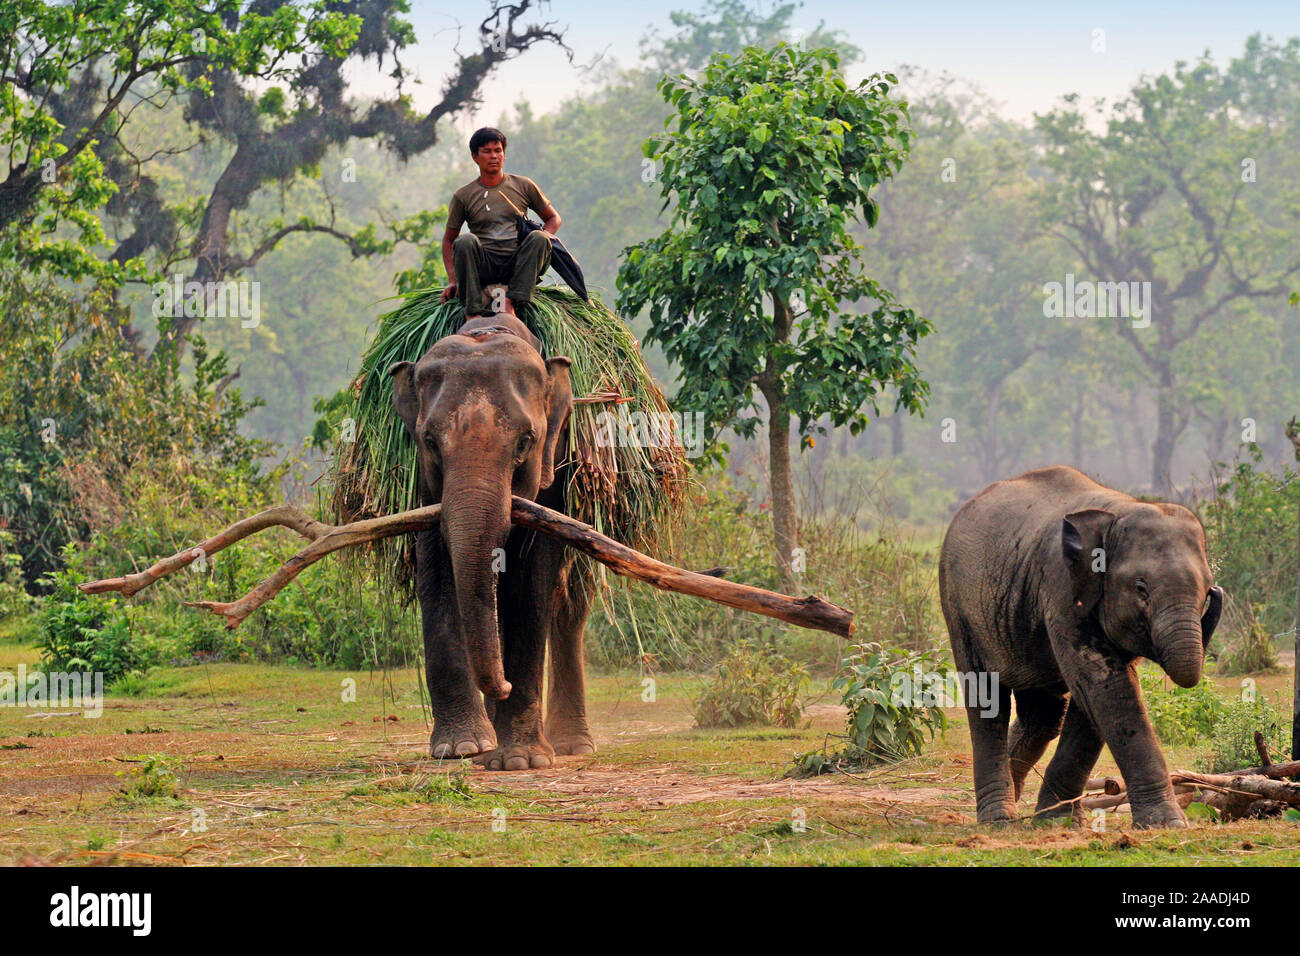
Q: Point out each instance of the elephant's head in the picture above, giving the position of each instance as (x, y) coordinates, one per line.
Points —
(486, 412)
(1146, 575)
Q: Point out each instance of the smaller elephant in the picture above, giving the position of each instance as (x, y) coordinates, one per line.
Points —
(1057, 585)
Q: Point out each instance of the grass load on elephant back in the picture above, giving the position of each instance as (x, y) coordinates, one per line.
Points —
(628, 490)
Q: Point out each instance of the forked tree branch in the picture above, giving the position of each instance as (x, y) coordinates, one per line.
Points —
(811, 612)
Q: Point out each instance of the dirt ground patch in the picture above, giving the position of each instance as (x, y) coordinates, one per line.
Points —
(242, 764)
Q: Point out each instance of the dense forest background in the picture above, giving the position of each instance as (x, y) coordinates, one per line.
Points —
(970, 231)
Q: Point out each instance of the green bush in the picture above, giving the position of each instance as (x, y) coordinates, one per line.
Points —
(14, 600)
(76, 632)
(1232, 741)
(883, 725)
(1180, 715)
(1250, 526)
(752, 685)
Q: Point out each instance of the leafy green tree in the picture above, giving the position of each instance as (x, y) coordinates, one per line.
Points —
(70, 75)
(771, 156)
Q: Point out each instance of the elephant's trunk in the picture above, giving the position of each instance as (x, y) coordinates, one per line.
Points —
(1180, 649)
(475, 521)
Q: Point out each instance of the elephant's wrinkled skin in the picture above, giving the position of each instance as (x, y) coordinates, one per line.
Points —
(1022, 600)
(489, 415)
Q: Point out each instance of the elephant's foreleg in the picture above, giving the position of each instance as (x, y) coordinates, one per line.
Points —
(566, 705)
(1108, 687)
(1039, 713)
(1067, 772)
(460, 724)
(994, 794)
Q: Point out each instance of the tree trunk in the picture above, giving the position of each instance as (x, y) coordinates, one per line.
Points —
(1293, 433)
(1162, 451)
(780, 476)
(896, 431)
(783, 506)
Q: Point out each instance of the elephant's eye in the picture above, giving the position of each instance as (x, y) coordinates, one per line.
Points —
(525, 442)
(1141, 587)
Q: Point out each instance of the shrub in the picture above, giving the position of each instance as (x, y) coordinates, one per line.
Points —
(1250, 525)
(14, 601)
(1232, 741)
(752, 685)
(91, 634)
(1180, 715)
(882, 726)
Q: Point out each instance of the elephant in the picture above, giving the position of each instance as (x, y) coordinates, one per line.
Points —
(489, 417)
(1057, 585)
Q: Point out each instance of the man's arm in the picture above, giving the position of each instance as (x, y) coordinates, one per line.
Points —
(449, 237)
(550, 220)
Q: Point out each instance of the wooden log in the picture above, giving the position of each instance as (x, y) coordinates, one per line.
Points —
(811, 612)
(1274, 771)
(1255, 785)
(1109, 785)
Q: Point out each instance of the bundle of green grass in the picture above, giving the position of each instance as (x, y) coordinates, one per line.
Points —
(625, 490)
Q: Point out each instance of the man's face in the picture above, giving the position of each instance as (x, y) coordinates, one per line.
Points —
(490, 158)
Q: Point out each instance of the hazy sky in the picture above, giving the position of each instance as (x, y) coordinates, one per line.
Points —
(1024, 55)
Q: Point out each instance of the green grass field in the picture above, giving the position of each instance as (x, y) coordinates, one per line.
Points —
(269, 765)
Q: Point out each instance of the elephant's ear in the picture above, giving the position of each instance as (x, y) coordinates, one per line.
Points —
(404, 398)
(558, 404)
(1083, 545)
(1210, 619)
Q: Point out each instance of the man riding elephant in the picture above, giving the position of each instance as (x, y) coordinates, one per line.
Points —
(491, 252)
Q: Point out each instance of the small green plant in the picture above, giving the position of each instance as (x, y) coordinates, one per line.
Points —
(90, 634)
(1232, 741)
(889, 717)
(437, 787)
(754, 684)
(154, 779)
(1180, 715)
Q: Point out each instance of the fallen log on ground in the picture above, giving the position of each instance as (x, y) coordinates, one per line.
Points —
(1254, 791)
(811, 612)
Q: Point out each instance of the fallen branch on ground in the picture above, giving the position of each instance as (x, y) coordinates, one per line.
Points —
(1253, 791)
(811, 612)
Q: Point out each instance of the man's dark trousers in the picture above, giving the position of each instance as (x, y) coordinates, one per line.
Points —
(476, 267)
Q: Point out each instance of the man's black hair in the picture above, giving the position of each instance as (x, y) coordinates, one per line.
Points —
(482, 137)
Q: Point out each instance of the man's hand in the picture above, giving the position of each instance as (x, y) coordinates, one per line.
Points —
(449, 292)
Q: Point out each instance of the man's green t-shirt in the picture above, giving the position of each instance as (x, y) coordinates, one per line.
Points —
(489, 215)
